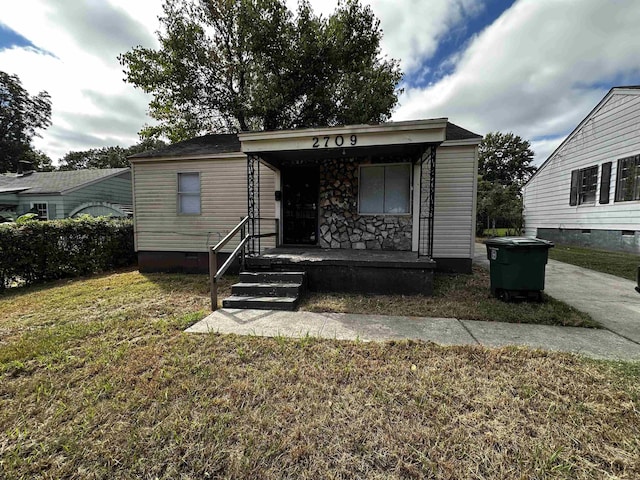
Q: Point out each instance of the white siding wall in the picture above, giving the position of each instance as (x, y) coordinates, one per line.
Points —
(454, 223)
(223, 184)
(613, 132)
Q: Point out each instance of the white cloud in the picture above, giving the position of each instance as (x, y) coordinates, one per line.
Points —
(85, 36)
(545, 147)
(532, 71)
(412, 28)
(537, 70)
(91, 105)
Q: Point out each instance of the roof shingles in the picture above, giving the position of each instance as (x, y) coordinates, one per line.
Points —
(54, 182)
(229, 143)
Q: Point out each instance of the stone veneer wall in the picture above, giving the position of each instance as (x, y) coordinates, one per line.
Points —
(340, 225)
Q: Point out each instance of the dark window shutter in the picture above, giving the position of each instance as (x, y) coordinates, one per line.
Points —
(605, 182)
(573, 198)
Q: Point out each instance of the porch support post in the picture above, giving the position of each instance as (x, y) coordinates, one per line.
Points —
(428, 163)
(432, 197)
(253, 203)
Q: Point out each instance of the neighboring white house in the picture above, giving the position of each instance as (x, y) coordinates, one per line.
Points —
(358, 187)
(588, 191)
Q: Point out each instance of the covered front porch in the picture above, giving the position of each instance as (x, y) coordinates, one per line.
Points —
(349, 188)
(354, 212)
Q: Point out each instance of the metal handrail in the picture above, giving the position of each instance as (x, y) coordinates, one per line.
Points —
(216, 274)
(230, 235)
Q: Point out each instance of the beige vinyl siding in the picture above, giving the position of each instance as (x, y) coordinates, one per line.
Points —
(111, 190)
(223, 200)
(454, 222)
(610, 133)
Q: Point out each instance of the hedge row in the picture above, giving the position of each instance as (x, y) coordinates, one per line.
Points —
(37, 251)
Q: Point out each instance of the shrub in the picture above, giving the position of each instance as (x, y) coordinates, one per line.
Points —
(33, 251)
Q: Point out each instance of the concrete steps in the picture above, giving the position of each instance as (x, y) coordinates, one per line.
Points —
(267, 291)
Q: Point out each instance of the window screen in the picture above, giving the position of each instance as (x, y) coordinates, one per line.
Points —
(189, 193)
(588, 183)
(628, 179)
(385, 189)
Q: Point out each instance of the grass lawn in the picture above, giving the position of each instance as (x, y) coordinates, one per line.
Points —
(97, 380)
(499, 232)
(461, 296)
(620, 264)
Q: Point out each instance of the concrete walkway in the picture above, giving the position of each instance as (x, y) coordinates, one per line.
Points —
(444, 331)
(611, 301)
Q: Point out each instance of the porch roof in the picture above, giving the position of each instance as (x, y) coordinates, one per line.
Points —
(408, 139)
(329, 142)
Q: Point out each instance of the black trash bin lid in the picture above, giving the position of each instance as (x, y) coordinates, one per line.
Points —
(511, 242)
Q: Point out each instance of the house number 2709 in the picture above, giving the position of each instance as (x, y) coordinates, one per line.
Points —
(337, 141)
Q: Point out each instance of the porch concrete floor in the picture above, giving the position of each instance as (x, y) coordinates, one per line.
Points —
(593, 343)
(335, 256)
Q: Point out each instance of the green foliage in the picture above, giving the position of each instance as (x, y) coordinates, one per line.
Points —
(496, 201)
(229, 65)
(504, 166)
(106, 157)
(505, 158)
(21, 115)
(33, 251)
(38, 160)
(27, 217)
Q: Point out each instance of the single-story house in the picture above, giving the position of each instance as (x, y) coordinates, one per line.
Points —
(375, 208)
(54, 195)
(588, 191)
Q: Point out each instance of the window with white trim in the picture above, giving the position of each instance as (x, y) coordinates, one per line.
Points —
(385, 189)
(41, 209)
(189, 193)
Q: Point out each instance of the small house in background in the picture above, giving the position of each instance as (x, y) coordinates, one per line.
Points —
(369, 208)
(55, 195)
(587, 192)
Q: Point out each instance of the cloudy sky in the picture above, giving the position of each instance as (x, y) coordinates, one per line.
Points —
(533, 67)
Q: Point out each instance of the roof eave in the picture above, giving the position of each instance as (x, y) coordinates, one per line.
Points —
(202, 156)
(624, 90)
(362, 128)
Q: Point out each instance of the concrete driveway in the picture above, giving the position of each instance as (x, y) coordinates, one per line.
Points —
(610, 300)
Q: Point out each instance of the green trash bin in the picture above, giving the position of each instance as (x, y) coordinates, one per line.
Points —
(517, 266)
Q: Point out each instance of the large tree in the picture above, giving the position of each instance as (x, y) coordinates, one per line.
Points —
(504, 166)
(106, 157)
(505, 158)
(229, 65)
(37, 160)
(21, 115)
(498, 203)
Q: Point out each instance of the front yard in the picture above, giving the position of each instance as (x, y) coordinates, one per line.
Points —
(98, 381)
(460, 296)
(620, 264)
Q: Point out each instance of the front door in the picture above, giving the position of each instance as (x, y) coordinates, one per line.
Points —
(300, 205)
